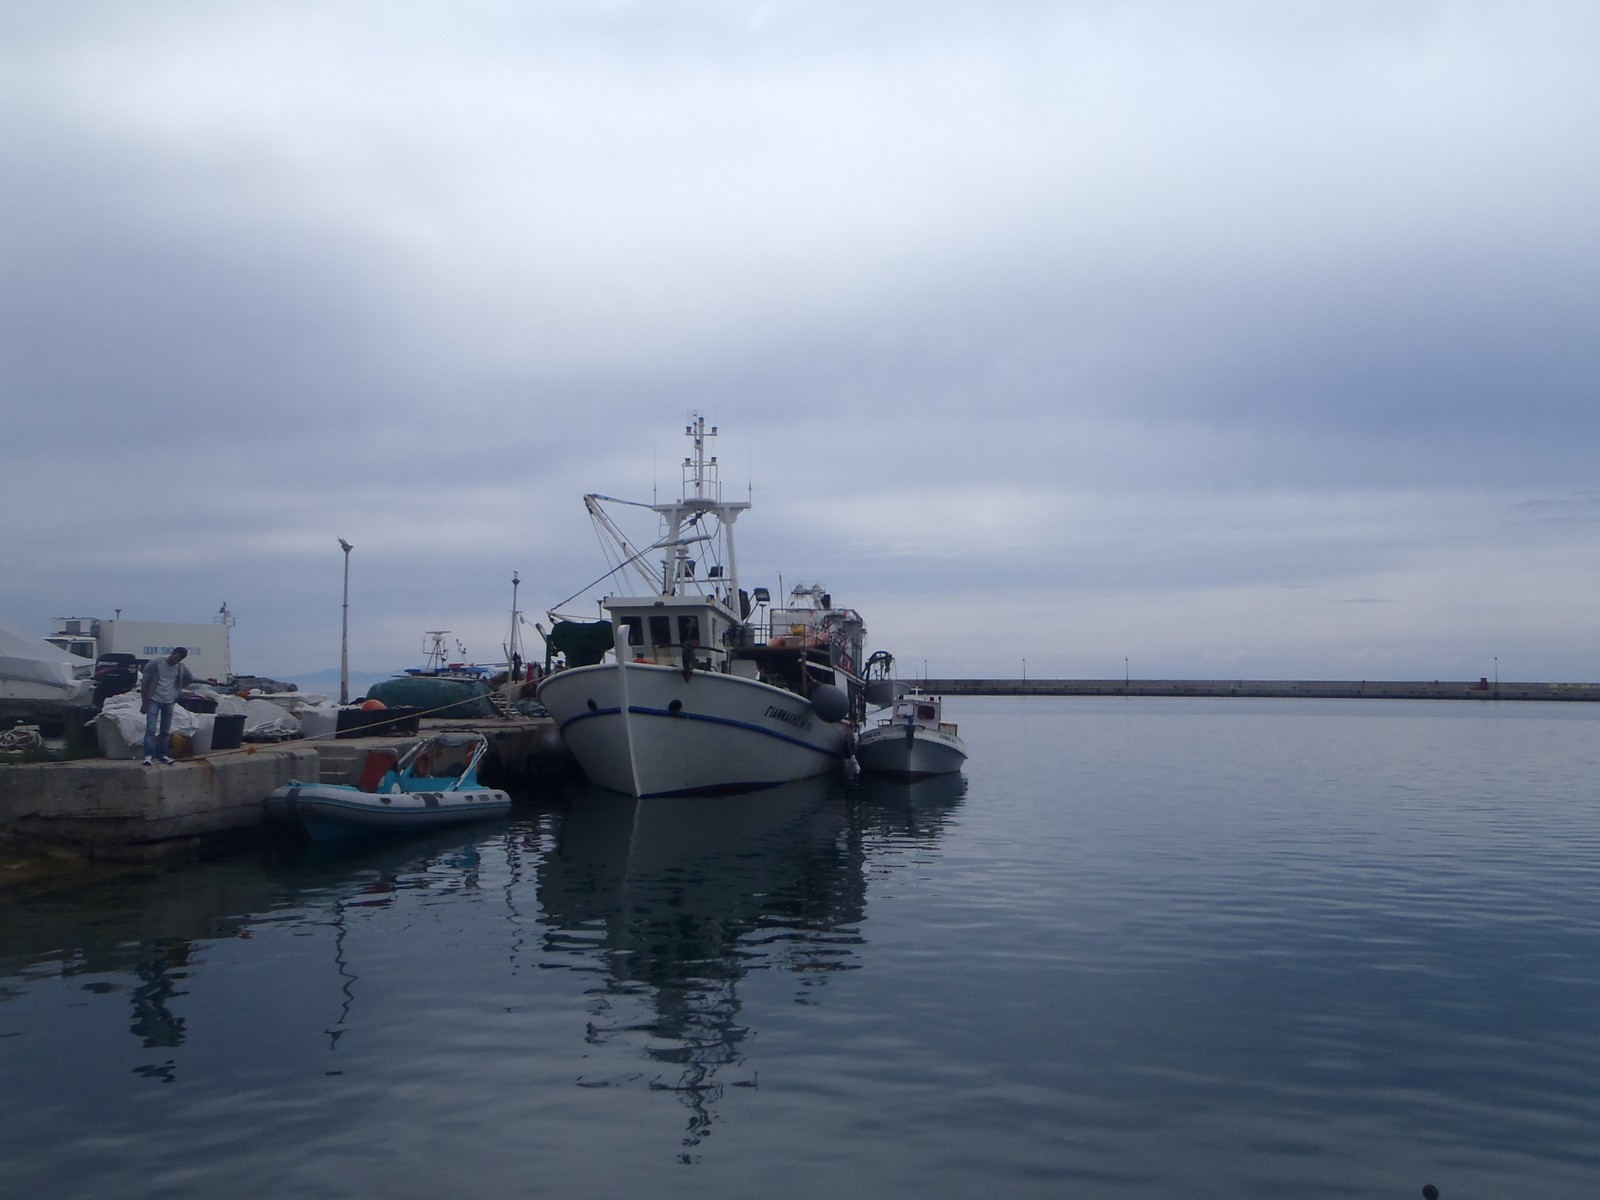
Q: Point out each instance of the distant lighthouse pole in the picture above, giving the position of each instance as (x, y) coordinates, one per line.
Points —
(344, 638)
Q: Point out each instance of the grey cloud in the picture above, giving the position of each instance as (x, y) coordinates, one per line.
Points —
(1239, 299)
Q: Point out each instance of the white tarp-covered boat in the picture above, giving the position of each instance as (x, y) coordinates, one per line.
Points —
(396, 794)
(33, 669)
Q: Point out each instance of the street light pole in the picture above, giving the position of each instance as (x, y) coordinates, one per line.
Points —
(344, 639)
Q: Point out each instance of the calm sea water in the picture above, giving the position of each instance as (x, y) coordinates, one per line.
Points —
(1144, 948)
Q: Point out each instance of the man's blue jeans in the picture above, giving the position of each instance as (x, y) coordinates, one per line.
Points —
(157, 730)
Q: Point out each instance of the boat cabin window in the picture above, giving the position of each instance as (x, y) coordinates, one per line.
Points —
(925, 712)
(635, 630)
(661, 631)
(689, 631)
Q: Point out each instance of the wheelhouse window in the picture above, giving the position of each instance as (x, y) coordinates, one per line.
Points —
(635, 629)
(689, 630)
(661, 631)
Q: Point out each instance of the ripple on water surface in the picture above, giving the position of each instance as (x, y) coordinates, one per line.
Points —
(1199, 948)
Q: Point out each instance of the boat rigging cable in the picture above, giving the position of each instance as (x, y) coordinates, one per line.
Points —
(631, 560)
(605, 575)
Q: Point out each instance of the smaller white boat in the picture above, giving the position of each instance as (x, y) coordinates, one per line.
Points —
(913, 741)
(396, 794)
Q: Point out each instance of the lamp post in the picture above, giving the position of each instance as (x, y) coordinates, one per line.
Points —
(344, 639)
(1024, 670)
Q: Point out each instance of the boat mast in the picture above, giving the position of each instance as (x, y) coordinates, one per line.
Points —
(436, 653)
(699, 515)
(702, 500)
(513, 646)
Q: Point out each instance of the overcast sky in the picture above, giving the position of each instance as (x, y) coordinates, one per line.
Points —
(1231, 339)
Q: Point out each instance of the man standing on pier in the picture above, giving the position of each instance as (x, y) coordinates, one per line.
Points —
(160, 685)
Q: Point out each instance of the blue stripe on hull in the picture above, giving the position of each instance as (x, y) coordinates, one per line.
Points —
(640, 710)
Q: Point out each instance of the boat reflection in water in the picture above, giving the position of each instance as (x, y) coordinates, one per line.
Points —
(898, 808)
(682, 897)
(680, 924)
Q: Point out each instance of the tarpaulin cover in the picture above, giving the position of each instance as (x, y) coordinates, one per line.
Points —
(28, 659)
(435, 696)
(583, 642)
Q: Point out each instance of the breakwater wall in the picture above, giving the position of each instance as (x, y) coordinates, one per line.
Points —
(1303, 689)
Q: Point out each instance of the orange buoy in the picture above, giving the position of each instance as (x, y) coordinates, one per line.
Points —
(373, 705)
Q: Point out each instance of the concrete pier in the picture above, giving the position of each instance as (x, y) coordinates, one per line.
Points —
(115, 810)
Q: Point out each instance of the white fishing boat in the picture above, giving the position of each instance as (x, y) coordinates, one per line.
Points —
(913, 742)
(433, 783)
(695, 685)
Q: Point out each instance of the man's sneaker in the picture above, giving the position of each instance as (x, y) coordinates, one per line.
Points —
(165, 761)
(148, 761)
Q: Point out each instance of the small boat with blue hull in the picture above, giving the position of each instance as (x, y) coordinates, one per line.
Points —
(396, 794)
